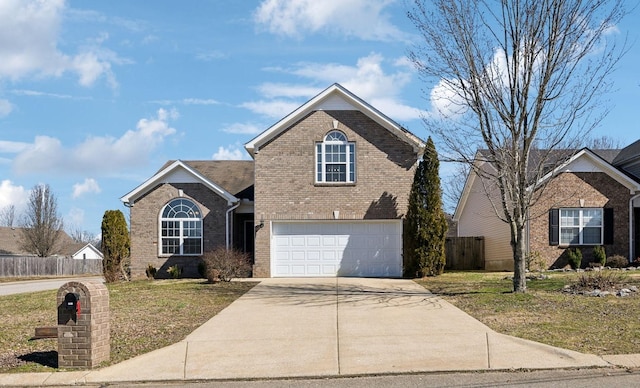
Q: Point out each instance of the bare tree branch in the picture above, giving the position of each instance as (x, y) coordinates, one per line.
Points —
(517, 80)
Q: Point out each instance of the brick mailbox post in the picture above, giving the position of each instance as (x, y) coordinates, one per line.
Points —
(83, 325)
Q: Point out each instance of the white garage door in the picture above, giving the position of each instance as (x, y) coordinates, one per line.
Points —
(365, 249)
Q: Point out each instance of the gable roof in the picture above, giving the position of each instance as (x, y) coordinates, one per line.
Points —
(628, 154)
(335, 97)
(179, 171)
(235, 176)
(90, 247)
(564, 159)
(598, 162)
(11, 237)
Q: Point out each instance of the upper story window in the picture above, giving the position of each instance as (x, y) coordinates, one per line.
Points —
(581, 226)
(181, 228)
(335, 159)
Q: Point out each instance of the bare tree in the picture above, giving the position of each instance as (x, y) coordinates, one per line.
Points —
(82, 236)
(602, 143)
(42, 224)
(8, 216)
(514, 78)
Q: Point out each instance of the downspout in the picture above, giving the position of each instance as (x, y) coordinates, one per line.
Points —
(631, 225)
(232, 208)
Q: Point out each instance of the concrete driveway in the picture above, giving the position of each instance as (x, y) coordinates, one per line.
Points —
(332, 327)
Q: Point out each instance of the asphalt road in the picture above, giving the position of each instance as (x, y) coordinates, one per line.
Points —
(585, 378)
(39, 285)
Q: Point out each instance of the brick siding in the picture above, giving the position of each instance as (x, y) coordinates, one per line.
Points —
(145, 223)
(598, 190)
(285, 171)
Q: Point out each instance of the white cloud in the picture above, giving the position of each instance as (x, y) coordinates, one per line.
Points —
(88, 186)
(368, 79)
(271, 108)
(12, 146)
(364, 19)
(230, 153)
(48, 154)
(29, 32)
(243, 128)
(5, 108)
(187, 101)
(11, 194)
(74, 217)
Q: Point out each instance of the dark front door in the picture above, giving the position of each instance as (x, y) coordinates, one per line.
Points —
(243, 234)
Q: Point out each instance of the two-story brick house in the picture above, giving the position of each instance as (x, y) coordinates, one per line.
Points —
(592, 197)
(325, 195)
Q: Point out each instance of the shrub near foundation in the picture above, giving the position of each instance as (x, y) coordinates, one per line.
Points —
(226, 264)
(574, 255)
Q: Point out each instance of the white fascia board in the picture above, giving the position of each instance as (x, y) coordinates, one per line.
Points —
(254, 145)
(598, 162)
(159, 177)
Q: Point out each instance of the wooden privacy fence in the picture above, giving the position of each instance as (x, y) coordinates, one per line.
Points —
(11, 266)
(464, 253)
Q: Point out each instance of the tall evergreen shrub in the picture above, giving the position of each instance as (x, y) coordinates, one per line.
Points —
(115, 246)
(426, 223)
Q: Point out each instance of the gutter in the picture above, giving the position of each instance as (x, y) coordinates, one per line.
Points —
(631, 224)
(228, 226)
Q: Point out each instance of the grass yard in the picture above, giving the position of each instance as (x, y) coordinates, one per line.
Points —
(145, 315)
(597, 325)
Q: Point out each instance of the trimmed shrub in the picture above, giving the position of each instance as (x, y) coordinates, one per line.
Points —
(151, 271)
(574, 256)
(599, 255)
(174, 271)
(617, 261)
(202, 269)
(226, 264)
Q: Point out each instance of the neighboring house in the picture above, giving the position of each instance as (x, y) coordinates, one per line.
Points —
(325, 195)
(11, 237)
(591, 198)
(88, 252)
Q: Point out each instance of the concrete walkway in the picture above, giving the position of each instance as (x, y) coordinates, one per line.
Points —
(329, 327)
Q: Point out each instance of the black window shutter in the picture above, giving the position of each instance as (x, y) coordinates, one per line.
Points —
(554, 230)
(608, 226)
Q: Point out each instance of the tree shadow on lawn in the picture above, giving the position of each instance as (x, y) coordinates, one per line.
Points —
(44, 358)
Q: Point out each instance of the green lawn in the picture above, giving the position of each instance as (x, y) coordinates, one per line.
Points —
(145, 315)
(597, 325)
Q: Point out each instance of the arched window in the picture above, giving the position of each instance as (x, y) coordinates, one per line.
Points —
(181, 228)
(335, 159)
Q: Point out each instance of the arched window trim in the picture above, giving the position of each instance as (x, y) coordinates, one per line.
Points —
(335, 159)
(180, 228)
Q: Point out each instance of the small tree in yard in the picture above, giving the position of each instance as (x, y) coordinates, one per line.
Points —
(42, 226)
(223, 264)
(426, 223)
(520, 80)
(115, 246)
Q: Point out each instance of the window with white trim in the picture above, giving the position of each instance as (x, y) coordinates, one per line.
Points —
(581, 226)
(181, 228)
(335, 159)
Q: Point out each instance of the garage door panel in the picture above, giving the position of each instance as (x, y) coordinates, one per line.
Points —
(337, 249)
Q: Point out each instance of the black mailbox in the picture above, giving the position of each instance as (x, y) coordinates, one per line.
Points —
(72, 303)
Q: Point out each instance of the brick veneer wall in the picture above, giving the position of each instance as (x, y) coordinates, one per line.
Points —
(145, 223)
(84, 340)
(565, 191)
(285, 169)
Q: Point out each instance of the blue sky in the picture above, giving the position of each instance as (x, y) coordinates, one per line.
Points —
(96, 96)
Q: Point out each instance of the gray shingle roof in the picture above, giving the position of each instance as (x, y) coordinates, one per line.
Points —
(235, 176)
